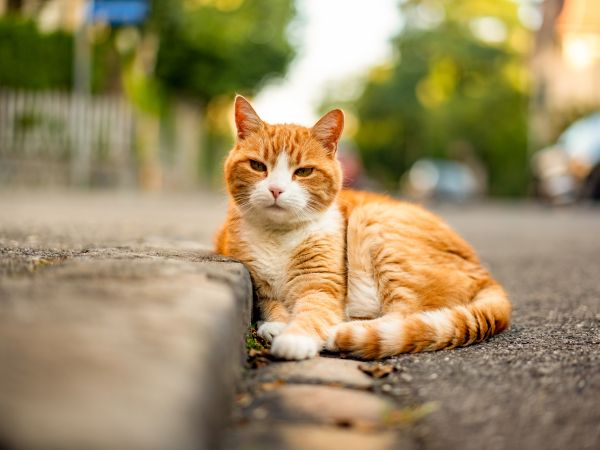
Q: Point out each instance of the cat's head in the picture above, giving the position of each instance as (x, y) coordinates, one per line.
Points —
(283, 174)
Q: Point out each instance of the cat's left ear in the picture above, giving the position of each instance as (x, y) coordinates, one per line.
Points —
(329, 129)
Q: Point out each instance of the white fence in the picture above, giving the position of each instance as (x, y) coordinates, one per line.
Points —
(57, 138)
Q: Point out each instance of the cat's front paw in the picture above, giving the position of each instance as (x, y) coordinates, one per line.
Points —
(269, 330)
(295, 346)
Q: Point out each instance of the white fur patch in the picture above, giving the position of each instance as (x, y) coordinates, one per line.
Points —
(281, 175)
(271, 250)
(441, 321)
(295, 346)
(291, 203)
(391, 333)
(363, 300)
(269, 330)
(331, 335)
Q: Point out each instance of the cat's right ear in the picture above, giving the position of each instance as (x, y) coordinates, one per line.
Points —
(246, 119)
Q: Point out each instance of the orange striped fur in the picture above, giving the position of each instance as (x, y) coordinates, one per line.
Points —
(350, 271)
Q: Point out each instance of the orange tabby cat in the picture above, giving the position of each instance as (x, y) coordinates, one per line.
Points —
(352, 271)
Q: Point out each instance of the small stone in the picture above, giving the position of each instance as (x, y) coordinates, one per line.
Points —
(323, 370)
(377, 370)
(406, 377)
(323, 404)
(315, 437)
(260, 413)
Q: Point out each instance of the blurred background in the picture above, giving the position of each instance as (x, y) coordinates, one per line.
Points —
(444, 99)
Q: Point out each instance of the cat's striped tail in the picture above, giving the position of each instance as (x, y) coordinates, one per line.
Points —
(487, 314)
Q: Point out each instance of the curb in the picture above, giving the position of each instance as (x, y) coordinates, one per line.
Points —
(119, 348)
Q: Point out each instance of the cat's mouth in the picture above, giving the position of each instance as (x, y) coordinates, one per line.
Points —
(275, 207)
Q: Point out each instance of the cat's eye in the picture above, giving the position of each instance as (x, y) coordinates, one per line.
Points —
(258, 166)
(303, 171)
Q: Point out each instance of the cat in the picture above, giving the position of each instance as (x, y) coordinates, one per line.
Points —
(348, 271)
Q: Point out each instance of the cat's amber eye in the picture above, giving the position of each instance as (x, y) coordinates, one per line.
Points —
(303, 171)
(258, 166)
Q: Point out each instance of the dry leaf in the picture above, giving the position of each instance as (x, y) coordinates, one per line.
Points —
(377, 370)
(357, 424)
(253, 353)
(272, 385)
(243, 399)
(258, 358)
(411, 415)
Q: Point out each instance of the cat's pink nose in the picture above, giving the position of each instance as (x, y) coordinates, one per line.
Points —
(276, 191)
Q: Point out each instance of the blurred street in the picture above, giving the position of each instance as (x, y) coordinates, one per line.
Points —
(76, 219)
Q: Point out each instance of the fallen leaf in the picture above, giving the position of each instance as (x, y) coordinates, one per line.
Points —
(253, 353)
(272, 385)
(411, 415)
(357, 424)
(243, 400)
(377, 370)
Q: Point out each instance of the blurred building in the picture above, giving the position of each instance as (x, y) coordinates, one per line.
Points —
(566, 66)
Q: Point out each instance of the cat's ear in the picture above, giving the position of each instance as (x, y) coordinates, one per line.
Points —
(246, 119)
(329, 129)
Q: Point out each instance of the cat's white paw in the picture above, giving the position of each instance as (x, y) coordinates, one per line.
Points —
(331, 335)
(295, 346)
(269, 330)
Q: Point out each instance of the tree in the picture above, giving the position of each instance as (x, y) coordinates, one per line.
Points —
(457, 88)
(209, 48)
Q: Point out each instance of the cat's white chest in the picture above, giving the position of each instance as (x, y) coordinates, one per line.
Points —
(271, 259)
(271, 253)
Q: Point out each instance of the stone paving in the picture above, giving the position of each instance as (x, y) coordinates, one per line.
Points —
(322, 403)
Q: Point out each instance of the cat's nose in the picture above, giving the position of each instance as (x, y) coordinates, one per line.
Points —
(276, 191)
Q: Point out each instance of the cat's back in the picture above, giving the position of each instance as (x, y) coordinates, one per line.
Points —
(382, 207)
(388, 219)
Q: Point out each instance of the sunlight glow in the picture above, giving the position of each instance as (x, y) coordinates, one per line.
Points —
(340, 39)
(581, 50)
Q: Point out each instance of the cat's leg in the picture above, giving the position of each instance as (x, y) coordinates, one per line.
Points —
(305, 335)
(276, 319)
(315, 293)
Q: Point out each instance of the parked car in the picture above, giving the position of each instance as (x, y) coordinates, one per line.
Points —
(570, 169)
(440, 179)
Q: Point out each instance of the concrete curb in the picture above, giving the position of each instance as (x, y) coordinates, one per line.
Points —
(119, 348)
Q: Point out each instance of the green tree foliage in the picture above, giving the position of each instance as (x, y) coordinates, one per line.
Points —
(218, 47)
(30, 59)
(456, 89)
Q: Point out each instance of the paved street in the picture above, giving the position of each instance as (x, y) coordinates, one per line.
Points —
(536, 386)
